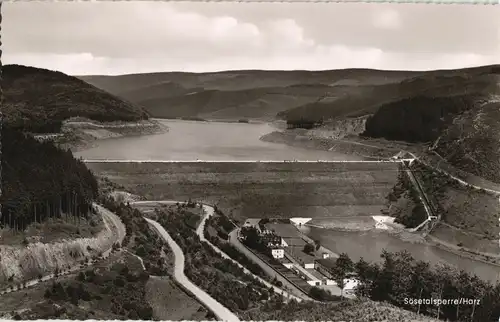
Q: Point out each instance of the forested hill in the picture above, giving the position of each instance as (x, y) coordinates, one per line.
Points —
(38, 100)
(236, 94)
(40, 180)
(461, 123)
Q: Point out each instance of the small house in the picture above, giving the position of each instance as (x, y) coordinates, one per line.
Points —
(272, 240)
(277, 253)
(309, 265)
(350, 285)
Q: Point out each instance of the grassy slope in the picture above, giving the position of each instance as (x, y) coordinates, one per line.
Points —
(274, 190)
(39, 94)
(469, 216)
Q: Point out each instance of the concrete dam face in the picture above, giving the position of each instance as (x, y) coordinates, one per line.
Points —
(299, 221)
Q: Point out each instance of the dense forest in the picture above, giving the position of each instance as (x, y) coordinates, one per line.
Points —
(419, 118)
(303, 123)
(400, 277)
(41, 181)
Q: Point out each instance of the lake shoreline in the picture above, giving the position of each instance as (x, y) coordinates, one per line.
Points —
(199, 140)
(403, 237)
(87, 135)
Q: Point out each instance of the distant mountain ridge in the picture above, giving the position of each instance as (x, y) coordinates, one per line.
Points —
(267, 95)
(453, 111)
(232, 94)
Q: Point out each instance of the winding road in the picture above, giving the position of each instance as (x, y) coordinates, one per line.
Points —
(208, 212)
(219, 310)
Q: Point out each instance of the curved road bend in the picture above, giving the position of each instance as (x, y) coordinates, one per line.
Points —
(108, 218)
(209, 211)
(219, 310)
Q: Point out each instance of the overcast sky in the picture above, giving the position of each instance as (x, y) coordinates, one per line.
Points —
(130, 37)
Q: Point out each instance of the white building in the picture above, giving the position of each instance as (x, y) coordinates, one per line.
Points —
(350, 286)
(314, 282)
(278, 253)
(308, 265)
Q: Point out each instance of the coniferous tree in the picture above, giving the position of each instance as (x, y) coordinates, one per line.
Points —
(41, 181)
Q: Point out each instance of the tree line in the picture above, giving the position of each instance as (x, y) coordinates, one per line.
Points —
(400, 277)
(221, 278)
(41, 181)
(303, 123)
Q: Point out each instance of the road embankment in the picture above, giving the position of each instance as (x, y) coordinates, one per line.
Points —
(26, 264)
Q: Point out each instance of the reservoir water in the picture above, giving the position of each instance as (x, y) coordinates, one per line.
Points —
(215, 141)
(369, 245)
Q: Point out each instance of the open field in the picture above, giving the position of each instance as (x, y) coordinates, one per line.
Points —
(272, 190)
(171, 303)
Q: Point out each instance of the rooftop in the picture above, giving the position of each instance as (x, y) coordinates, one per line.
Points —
(297, 242)
(284, 260)
(252, 222)
(327, 262)
(316, 274)
(297, 253)
(284, 230)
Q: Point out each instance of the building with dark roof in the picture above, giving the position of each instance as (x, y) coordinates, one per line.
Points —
(325, 266)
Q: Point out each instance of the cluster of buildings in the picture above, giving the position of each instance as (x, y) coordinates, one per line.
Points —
(274, 243)
(288, 249)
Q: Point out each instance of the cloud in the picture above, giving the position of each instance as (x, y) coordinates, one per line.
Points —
(287, 34)
(128, 37)
(386, 19)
